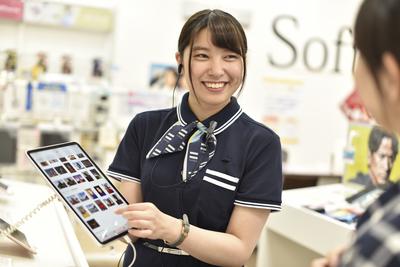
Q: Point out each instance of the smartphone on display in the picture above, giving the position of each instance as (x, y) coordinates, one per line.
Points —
(3, 187)
(17, 236)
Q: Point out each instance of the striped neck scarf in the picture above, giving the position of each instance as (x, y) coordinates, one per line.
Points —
(200, 143)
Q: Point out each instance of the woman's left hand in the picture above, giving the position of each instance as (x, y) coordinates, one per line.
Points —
(147, 221)
(331, 260)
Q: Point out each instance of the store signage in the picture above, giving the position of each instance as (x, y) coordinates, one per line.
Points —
(304, 53)
(68, 16)
(311, 44)
(94, 19)
(11, 10)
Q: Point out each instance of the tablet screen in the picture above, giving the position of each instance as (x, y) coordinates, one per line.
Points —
(84, 188)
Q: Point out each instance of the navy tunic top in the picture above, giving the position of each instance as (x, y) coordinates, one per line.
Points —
(246, 170)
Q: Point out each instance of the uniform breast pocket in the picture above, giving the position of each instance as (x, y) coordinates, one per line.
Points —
(218, 190)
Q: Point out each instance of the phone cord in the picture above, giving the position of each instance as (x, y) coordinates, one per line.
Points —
(15, 226)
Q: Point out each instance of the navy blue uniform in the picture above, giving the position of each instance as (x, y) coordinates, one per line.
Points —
(246, 170)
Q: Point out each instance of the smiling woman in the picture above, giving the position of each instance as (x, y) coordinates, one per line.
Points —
(204, 161)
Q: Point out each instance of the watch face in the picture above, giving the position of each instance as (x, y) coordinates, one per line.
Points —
(186, 224)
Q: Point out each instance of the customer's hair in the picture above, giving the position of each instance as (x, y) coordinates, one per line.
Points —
(377, 30)
(226, 32)
(375, 139)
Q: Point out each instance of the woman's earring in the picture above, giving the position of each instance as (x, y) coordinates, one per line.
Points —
(180, 67)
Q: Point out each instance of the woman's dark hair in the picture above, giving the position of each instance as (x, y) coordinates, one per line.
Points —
(226, 32)
(377, 30)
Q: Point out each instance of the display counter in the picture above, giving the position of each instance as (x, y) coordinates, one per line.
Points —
(296, 235)
(49, 231)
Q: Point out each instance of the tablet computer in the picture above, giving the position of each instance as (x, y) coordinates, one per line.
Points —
(83, 187)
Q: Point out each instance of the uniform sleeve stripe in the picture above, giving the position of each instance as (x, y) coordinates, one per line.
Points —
(257, 205)
(223, 175)
(219, 183)
(120, 176)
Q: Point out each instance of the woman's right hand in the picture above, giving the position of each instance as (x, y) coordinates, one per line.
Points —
(321, 262)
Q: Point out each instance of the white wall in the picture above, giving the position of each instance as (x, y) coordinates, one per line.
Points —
(146, 32)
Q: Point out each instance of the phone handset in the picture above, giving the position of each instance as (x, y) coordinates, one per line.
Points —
(9, 230)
